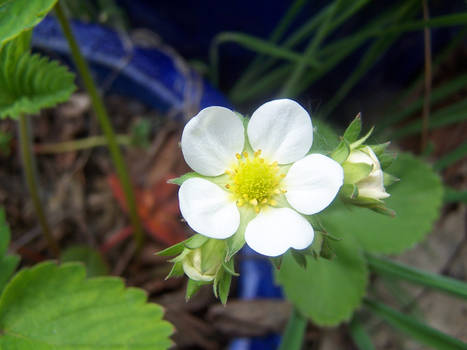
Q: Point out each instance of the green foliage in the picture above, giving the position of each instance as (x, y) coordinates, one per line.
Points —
(416, 200)
(328, 291)
(8, 263)
(21, 15)
(390, 268)
(91, 258)
(56, 307)
(424, 334)
(359, 335)
(28, 82)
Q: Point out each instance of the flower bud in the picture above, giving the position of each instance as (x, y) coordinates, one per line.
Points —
(362, 168)
(203, 263)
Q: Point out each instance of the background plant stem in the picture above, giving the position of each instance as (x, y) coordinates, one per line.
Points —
(292, 338)
(31, 181)
(105, 124)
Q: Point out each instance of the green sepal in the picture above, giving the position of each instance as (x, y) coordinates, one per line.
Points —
(342, 151)
(179, 180)
(192, 287)
(353, 130)
(327, 235)
(174, 249)
(196, 241)
(176, 271)
(380, 149)
(222, 282)
(354, 172)
(349, 191)
(389, 179)
(299, 258)
(359, 142)
(228, 266)
(386, 159)
(237, 241)
(382, 209)
(181, 256)
(326, 250)
(277, 261)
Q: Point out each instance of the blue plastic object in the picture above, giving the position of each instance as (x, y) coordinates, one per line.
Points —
(151, 75)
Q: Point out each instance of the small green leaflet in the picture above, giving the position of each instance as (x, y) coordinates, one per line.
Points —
(17, 16)
(50, 307)
(29, 83)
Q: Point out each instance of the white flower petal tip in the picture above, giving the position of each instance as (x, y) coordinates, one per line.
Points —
(211, 139)
(312, 183)
(282, 130)
(208, 209)
(275, 230)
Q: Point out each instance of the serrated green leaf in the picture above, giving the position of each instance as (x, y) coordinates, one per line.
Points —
(328, 291)
(21, 15)
(56, 307)
(8, 263)
(353, 130)
(30, 82)
(91, 258)
(416, 199)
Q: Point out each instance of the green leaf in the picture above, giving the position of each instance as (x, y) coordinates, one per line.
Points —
(353, 130)
(416, 199)
(21, 15)
(31, 83)
(8, 263)
(292, 339)
(421, 332)
(328, 291)
(50, 307)
(394, 269)
(91, 258)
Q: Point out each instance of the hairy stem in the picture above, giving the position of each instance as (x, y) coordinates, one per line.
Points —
(31, 181)
(104, 122)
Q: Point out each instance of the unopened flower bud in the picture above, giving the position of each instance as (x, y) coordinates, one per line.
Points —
(203, 263)
(371, 185)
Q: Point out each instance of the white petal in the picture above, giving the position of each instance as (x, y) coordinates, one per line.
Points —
(282, 130)
(211, 139)
(275, 230)
(208, 209)
(312, 183)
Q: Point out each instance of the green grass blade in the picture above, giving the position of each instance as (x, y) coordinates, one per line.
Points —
(390, 268)
(452, 157)
(310, 52)
(453, 196)
(359, 335)
(298, 37)
(276, 35)
(254, 44)
(438, 94)
(455, 113)
(292, 338)
(421, 332)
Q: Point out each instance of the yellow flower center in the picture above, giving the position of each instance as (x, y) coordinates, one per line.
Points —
(254, 181)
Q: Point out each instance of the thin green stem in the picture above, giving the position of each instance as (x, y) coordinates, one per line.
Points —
(105, 124)
(292, 339)
(31, 181)
(78, 145)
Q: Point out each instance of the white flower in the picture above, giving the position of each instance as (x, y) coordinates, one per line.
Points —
(266, 173)
(371, 186)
